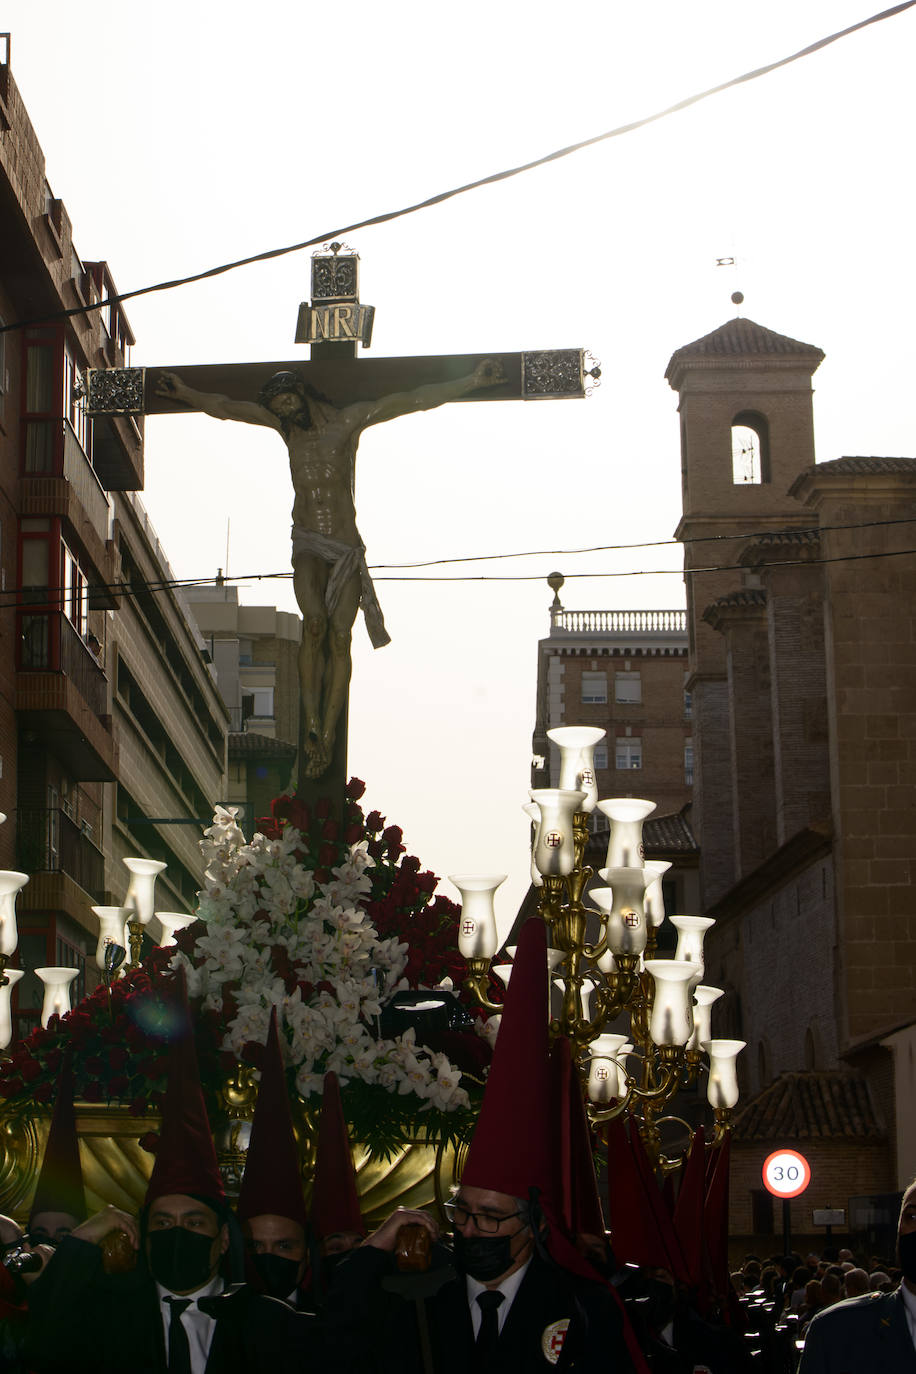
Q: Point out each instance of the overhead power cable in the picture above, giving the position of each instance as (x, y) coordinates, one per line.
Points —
(645, 544)
(342, 230)
(49, 606)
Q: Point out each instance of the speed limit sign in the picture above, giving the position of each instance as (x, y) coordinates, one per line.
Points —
(786, 1173)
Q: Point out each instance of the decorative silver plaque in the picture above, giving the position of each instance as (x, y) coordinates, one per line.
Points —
(555, 372)
(115, 391)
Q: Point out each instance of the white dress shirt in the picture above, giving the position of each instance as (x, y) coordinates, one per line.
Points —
(199, 1325)
(509, 1287)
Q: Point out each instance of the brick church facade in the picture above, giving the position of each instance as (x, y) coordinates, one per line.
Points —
(801, 619)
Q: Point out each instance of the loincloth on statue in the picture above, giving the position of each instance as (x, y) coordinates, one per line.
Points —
(344, 560)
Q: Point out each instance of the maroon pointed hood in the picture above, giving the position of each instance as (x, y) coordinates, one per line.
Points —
(60, 1183)
(186, 1156)
(272, 1182)
(335, 1202)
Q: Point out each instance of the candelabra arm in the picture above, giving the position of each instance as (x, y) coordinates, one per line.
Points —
(477, 981)
(598, 1115)
(135, 930)
(550, 901)
(723, 1119)
(665, 1089)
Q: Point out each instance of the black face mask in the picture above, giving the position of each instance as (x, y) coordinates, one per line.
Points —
(483, 1257)
(180, 1259)
(906, 1252)
(330, 1264)
(278, 1274)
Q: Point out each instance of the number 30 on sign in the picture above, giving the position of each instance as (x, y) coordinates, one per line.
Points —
(786, 1173)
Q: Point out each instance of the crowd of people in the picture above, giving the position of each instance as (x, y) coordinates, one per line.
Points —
(522, 1278)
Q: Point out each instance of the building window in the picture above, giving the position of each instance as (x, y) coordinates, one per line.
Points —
(628, 753)
(594, 689)
(76, 593)
(600, 756)
(69, 956)
(627, 687)
(263, 702)
(750, 449)
(688, 705)
(688, 762)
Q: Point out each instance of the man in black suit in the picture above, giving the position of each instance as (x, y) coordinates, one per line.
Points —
(876, 1333)
(147, 1293)
(514, 1295)
(500, 1302)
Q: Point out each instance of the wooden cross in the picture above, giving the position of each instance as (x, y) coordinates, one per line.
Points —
(341, 397)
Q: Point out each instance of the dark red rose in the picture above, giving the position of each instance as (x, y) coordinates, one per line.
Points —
(230, 1003)
(43, 1092)
(151, 1066)
(375, 849)
(30, 1070)
(355, 788)
(375, 821)
(279, 958)
(52, 1060)
(94, 1064)
(117, 1058)
(327, 855)
(330, 830)
(118, 1087)
(149, 1142)
(92, 1092)
(353, 834)
(426, 882)
(137, 1105)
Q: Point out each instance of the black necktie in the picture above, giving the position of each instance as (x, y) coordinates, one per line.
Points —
(179, 1350)
(488, 1334)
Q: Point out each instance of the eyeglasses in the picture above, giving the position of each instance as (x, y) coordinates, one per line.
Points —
(485, 1222)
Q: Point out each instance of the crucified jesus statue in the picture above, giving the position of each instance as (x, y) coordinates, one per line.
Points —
(330, 576)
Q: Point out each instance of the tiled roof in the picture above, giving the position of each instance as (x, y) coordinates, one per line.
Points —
(740, 339)
(668, 833)
(805, 1106)
(249, 744)
(866, 465)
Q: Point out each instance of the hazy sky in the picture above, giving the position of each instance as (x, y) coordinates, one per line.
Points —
(184, 135)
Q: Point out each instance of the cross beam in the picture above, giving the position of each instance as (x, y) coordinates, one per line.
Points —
(553, 374)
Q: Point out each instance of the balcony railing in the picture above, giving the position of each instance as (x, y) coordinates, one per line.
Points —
(49, 841)
(87, 488)
(49, 643)
(620, 622)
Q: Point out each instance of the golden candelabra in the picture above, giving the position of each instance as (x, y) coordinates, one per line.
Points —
(612, 976)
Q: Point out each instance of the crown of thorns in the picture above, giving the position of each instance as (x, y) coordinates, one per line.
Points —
(283, 382)
(280, 383)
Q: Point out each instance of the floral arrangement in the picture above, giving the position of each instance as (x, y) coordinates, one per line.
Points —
(325, 921)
